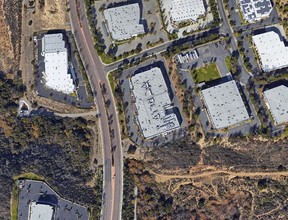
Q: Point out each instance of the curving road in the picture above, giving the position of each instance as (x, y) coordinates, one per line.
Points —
(97, 72)
(113, 166)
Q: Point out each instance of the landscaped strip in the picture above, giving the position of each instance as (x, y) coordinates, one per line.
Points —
(14, 194)
(14, 202)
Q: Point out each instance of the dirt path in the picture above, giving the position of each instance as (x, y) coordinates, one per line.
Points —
(270, 212)
(75, 115)
(164, 178)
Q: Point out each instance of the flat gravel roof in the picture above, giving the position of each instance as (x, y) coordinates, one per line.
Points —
(124, 21)
(225, 105)
(182, 10)
(55, 54)
(272, 51)
(277, 101)
(154, 108)
(40, 211)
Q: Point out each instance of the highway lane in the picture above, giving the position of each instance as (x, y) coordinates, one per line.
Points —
(113, 182)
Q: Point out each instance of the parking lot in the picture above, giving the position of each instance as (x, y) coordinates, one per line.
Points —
(154, 29)
(215, 52)
(133, 127)
(40, 191)
(80, 98)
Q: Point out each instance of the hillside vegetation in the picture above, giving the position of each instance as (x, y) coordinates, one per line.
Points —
(56, 148)
(242, 178)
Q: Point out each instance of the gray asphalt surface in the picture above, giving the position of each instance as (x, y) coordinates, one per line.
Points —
(35, 190)
(97, 72)
(226, 29)
(112, 193)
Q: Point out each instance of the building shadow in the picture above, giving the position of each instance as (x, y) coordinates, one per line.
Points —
(216, 82)
(244, 98)
(48, 199)
(42, 111)
(275, 84)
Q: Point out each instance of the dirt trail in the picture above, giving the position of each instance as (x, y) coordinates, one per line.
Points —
(270, 212)
(53, 15)
(76, 115)
(164, 178)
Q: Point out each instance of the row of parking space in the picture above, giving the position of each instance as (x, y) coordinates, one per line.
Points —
(186, 57)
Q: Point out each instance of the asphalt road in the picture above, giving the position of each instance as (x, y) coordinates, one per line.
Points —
(97, 71)
(160, 48)
(226, 29)
(113, 176)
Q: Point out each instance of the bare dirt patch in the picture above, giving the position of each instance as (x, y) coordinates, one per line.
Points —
(9, 44)
(7, 129)
(52, 15)
(210, 193)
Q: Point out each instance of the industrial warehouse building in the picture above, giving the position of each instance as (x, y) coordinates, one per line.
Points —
(254, 10)
(182, 10)
(40, 211)
(56, 74)
(155, 111)
(124, 21)
(272, 51)
(224, 104)
(277, 101)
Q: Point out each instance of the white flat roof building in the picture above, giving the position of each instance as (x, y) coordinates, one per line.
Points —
(254, 10)
(124, 21)
(272, 51)
(40, 211)
(154, 108)
(277, 102)
(56, 74)
(182, 10)
(225, 105)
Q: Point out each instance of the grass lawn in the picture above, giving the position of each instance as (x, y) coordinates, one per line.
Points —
(243, 21)
(111, 81)
(228, 63)
(114, 84)
(14, 194)
(206, 73)
(31, 176)
(14, 202)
